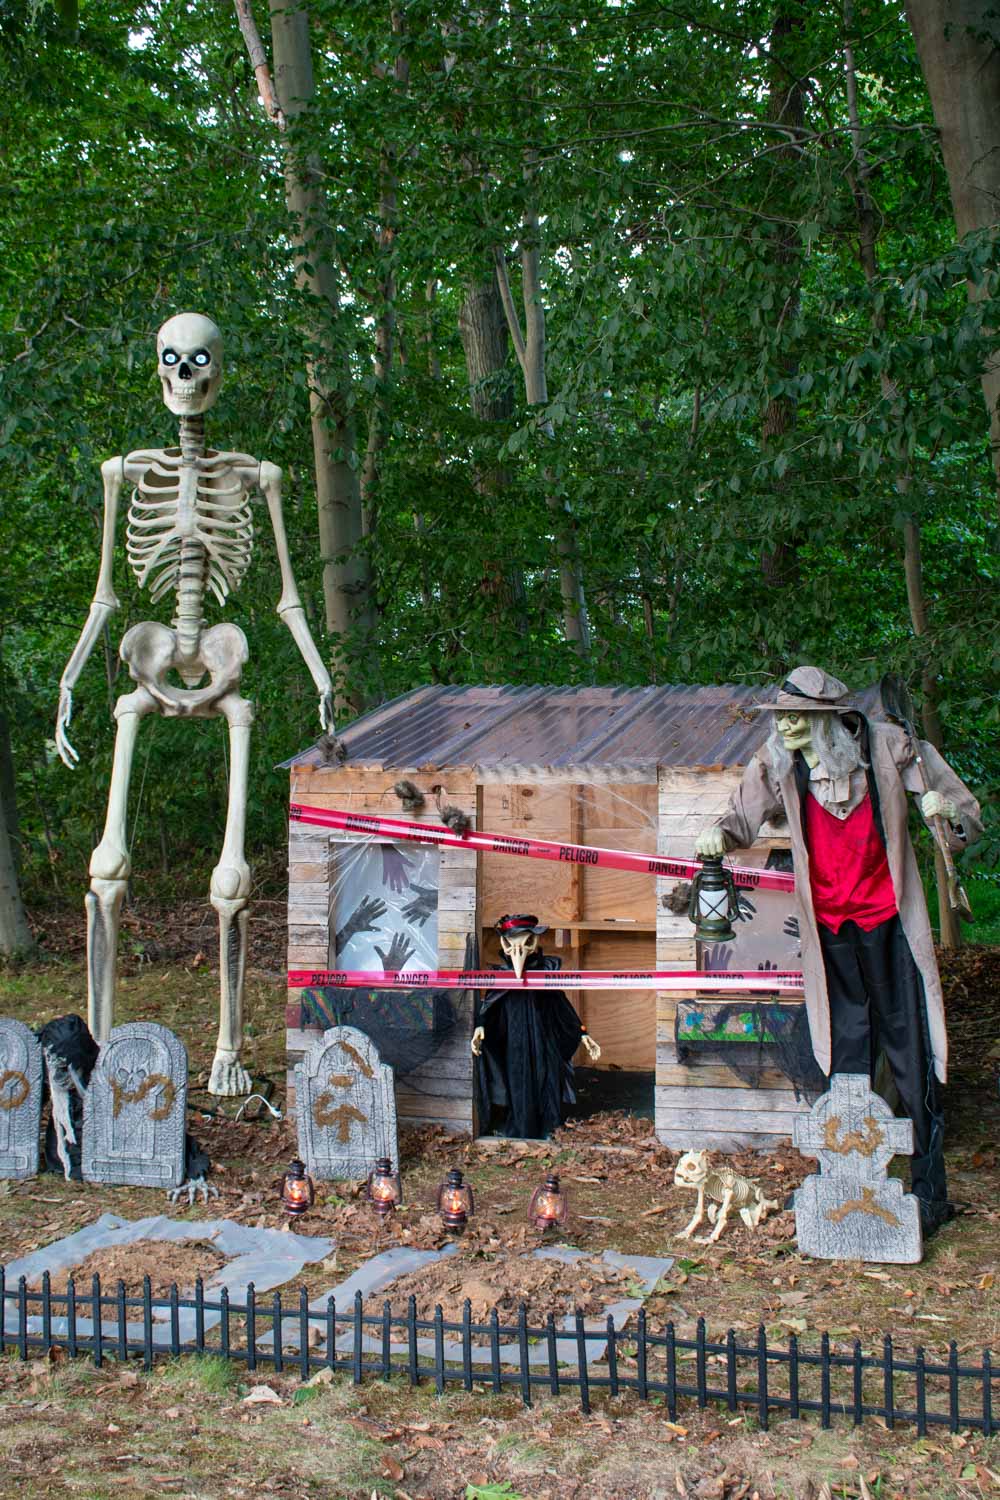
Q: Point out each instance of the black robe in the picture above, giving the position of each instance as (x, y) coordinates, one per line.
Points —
(525, 1068)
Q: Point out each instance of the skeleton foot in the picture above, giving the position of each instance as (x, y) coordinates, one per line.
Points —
(193, 1187)
(229, 1076)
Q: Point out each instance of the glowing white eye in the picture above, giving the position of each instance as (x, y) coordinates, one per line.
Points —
(203, 358)
(169, 357)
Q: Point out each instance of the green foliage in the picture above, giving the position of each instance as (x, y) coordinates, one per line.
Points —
(700, 271)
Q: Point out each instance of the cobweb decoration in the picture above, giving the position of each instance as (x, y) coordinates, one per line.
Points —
(749, 1037)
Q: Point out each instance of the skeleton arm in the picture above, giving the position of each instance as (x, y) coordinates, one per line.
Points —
(104, 604)
(290, 605)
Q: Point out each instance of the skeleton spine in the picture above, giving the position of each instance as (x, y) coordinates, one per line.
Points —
(192, 570)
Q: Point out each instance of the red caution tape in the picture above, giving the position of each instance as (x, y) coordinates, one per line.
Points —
(525, 848)
(740, 981)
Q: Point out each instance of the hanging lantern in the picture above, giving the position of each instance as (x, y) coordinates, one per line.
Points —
(385, 1190)
(455, 1201)
(714, 903)
(298, 1191)
(548, 1206)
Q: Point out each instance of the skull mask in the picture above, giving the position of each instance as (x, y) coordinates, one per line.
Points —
(518, 940)
(189, 363)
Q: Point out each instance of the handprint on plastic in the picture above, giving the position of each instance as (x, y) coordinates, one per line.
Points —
(395, 868)
(791, 927)
(718, 957)
(364, 918)
(767, 965)
(400, 949)
(423, 905)
(745, 908)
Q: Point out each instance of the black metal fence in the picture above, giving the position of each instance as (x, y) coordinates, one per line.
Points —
(760, 1377)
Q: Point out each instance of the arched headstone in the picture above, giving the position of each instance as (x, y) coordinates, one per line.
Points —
(345, 1106)
(135, 1107)
(20, 1100)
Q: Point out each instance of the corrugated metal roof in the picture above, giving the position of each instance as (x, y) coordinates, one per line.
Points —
(498, 730)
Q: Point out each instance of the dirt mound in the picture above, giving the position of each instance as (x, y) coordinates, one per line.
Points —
(543, 1285)
(165, 1262)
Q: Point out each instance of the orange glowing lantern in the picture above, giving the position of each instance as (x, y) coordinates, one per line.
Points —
(385, 1190)
(455, 1201)
(548, 1206)
(298, 1191)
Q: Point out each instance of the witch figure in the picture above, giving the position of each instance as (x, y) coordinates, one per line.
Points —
(525, 1040)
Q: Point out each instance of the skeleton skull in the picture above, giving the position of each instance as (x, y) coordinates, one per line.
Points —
(518, 946)
(189, 363)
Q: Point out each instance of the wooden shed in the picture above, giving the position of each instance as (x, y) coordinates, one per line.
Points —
(641, 769)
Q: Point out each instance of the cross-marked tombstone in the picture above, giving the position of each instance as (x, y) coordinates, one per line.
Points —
(20, 1100)
(853, 1210)
(134, 1109)
(345, 1106)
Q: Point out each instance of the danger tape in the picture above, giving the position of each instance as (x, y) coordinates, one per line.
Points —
(769, 981)
(527, 848)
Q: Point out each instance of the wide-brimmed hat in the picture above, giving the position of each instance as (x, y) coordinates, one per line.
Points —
(810, 690)
(512, 925)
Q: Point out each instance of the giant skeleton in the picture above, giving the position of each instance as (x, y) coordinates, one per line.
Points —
(189, 533)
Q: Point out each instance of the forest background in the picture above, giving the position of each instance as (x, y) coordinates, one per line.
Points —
(598, 340)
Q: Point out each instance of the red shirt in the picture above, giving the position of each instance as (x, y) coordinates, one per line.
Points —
(848, 870)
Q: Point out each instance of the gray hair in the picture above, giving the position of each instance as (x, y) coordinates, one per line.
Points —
(838, 749)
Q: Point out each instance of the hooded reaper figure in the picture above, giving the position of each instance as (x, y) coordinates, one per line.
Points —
(525, 1040)
(868, 964)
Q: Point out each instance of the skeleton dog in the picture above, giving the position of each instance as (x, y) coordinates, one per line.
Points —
(189, 534)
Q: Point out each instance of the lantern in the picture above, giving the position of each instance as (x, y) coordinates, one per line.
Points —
(548, 1205)
(385, 1190)
(714, 903)
(298, 1191)
(455, 1201)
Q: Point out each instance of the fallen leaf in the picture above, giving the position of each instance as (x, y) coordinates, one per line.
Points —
(985, 1282)
(262, 1395)
(172, 1413)
(679, 1484)
(391, 1469)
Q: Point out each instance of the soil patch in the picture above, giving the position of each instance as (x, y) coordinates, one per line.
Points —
(506, 1281)
(165, 1262)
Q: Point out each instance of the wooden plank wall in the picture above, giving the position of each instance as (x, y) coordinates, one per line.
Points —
(702, 1103)
(441, 1091)
(600, 918)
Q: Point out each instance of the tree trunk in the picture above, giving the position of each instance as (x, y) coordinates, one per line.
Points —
(15, 934)
(483, 328)
(346, 581)
(958, 43)
(530, 349)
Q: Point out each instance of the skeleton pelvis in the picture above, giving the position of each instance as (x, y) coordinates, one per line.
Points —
(150, 652)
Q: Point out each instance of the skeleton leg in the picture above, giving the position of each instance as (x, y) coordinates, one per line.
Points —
(110, 868)
(721, 1221)
(230, 894)
(699, 1215)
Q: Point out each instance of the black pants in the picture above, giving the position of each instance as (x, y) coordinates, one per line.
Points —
(877, 1002)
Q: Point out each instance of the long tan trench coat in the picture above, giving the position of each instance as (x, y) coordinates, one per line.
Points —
(762, 795)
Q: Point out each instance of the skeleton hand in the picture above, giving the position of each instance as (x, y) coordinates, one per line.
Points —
(193, 1187)
(400, 949)
(67, 754)
(476, 1045)
(395, 869)
(591, 1048)
(422, 906)
(710, 843)
(933, 805)
(363, 918)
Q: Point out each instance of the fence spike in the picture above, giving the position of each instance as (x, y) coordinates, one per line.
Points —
(251, 1302)
(467, 1344)
(175, 1320)
(97, 1304)
(553, 1353)
(357, 1351)
(612, 1356)
(224, 1322)
(122, 1322)
(581, 1361)
(46, 1311)
(199, 1315)
(522, 1352)
(762, 1412)
(386, 1341)
(277, 1332)
(731, 1401)
(641, 1356)
(699, 1358)
(857, 1392)
(793, 1376)
(303, 1333)
(671, 1372)
(439, 1350)
(411, 1341)
(22, 1317)
(495, 1349)
(331, 1332)
(824, 1380)
(71, 1346)
(147, 1324)
(953, 1422)
(921, 1393)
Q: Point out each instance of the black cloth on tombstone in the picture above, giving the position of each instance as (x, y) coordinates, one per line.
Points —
(525, 1068)
(877, 1002)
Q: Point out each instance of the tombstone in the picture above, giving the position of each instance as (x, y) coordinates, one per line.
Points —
(134, 1112)
(345, 1106)
(20, 1100)
(853, 1210)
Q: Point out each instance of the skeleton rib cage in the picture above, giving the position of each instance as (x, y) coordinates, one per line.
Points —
(189, 529)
